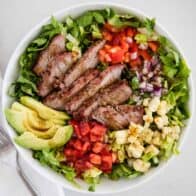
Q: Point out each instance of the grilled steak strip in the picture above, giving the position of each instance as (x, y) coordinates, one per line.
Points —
(87, 61)
(58, 99)
(132, 113)
(118, 117)
(105, 78)
(56, 46)
(114, 94)
(56, 68)
(110, 117)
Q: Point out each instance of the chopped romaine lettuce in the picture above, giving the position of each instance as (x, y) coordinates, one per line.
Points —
(92, 177)
(123, 170)
(48, 158)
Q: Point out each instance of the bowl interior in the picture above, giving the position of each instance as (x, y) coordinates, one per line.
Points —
(106, 186)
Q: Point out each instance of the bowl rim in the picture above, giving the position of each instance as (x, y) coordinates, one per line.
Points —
(92, 5)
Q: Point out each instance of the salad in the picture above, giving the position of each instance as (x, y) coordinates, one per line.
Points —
(100, 95)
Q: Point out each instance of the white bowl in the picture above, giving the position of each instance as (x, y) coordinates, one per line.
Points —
(106, 186)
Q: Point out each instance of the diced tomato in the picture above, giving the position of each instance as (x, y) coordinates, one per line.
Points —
(133, 47)
(97, 147)
(75, 125)
(86, 146)
(95, 159)
(111, 28)
(144, 54)
(153, 46)
(124, 45)
(107, 35)
(116, 53)
(127, 57)
(106, 162)
(114, 157)
(135, 63)
(84, 128)
(78, 145)
(130, 32)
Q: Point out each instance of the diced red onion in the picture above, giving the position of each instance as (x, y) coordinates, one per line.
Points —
(150, 74)
(157, 92)
(149, 87)
(147, 65)
(138, 75)
(143, 46)
(143, 85)
(154, 60)
(129, 40)
(133, 55)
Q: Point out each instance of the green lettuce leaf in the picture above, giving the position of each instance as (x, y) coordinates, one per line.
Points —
(49, 158)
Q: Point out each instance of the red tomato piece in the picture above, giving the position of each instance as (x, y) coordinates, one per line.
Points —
(135, 63)
(106, 162)
(75, 125)
(144, 54)
(116, 53)
(97, 147)
(114, 157)
(153, 46)
(130, 32)
(107, 35)
(95, 159)
(78, 145)
(111, 28)
(84, 128)
(86, 146)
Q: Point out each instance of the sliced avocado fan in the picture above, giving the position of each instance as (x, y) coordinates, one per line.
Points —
(31, 141)
(43, 111)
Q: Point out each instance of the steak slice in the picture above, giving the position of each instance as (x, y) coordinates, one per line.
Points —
(114, 94)
(58, 99)
(56, 68)
(105, 78)
(56, 46)
(110, 117)
(87, 61)
(118, 117)
(133, 113)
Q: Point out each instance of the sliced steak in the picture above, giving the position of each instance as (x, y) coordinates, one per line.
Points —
(58, 99)
(118, 117)
(87, 61)
(56, 68)
(114, 94)
(56, 46)
(132, 113)
(105, 78)
(110, 117)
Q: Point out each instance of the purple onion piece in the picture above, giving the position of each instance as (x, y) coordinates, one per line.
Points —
(154, 60)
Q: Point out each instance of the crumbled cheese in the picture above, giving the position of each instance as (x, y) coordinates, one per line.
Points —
(130, 162)
(135, 129)
(175, 132)
(146, 102)
(154, 104)
(156, 139)
(121, 136)
(152, 149)
(135, 150)
(161, 121)
(141, 166)
(147, 135)
(163, 108)
(131, 139)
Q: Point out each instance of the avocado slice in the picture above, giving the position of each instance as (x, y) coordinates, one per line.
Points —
(39, 124)
(19, 121)
(29, 140)
(15, 119)
(43, 111)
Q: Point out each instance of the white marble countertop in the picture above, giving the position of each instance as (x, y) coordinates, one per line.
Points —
(178, 17)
